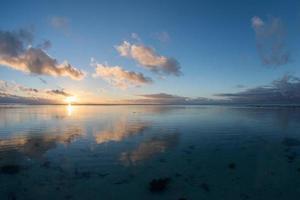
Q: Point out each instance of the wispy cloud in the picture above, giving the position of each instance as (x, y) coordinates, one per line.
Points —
(270, 38)
(148, 58)
(60, 23)
(136, 37)
(15, 54)
(11, 92)
(163, 36)
(43, 80)
(119, 77)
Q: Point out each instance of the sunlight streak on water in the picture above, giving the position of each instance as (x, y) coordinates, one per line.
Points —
(70, 109)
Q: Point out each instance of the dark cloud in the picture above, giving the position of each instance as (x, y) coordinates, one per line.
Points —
(12, 43)
(16, 99)
(43, 80)
(240, 86)
(285, 90)
(270, 38)
(29, 89)
(164, 98)
(46, 44)
(59, 92)
(15, 54)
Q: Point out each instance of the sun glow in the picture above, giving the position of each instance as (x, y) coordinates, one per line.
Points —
(70, 100)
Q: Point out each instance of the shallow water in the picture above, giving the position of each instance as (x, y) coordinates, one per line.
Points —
(115, 152)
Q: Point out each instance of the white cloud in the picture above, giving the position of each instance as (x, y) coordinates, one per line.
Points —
(257, 22)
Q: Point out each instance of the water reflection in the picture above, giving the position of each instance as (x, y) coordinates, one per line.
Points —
(120, 130)
(70, 109)
(149, 148)
(222, 152)
(35, 146)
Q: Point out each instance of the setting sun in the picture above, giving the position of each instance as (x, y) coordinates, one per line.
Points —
(71, 99)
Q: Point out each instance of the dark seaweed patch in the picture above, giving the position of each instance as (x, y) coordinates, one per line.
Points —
(232, 165)
(291, 157)
(46, 164)
(159, 185)
(121, 182)
(10, 169)
(102, 175)
(244, 196)
(205, 187)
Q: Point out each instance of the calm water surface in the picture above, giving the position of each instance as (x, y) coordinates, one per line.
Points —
(149, 152)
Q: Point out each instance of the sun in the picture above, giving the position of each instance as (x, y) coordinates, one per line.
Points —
(70, 99)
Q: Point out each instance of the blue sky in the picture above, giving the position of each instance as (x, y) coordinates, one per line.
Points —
(214, 43)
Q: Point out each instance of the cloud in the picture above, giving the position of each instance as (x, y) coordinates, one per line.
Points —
(60, 23)
(11, 92)
(163, 36)
(148, 58)
(164, 98)
(285, 90)
(240, 86)
(46, 44)
(119, 77)
(14, 54)
(270, 38)
(12, 87)
(136, 37)
(43, 80)
(59, 92)
(16, 99)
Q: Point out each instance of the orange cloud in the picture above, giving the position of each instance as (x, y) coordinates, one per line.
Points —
(119, 77)
(148, 58)
(13, 54)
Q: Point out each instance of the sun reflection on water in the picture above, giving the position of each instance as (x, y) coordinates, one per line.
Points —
(70, 109)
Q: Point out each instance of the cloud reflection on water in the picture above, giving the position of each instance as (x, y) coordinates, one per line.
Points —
(149, 148)
(120, 130)
(33, 146)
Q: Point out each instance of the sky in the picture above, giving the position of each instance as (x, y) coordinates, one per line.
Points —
(181, 52)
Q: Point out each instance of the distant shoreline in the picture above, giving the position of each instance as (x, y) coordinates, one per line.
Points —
(246, 105)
